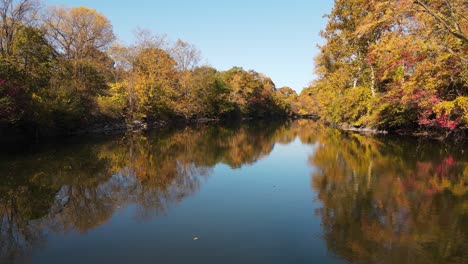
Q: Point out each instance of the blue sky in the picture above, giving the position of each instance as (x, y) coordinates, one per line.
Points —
(277, 38)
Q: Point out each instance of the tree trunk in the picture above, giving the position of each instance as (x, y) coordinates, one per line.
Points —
(372, 81)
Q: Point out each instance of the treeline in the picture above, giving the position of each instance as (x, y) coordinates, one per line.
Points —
(61, 69)
(394, 65)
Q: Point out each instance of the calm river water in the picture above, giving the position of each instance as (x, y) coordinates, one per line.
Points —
(294, 192)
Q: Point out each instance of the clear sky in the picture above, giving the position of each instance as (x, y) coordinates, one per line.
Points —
(277, 38)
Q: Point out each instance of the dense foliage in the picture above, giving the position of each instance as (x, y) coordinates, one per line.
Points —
(394, 65)
(61, 69)
(385, 64)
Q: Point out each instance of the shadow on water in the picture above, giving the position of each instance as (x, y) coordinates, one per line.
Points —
(383, 199)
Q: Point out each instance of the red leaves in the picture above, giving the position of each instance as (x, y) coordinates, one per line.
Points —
(444, 121)
(443, 169)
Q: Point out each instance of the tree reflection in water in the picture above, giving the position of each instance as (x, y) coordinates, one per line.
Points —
(78, 187)
(391, 201)
(384, 200)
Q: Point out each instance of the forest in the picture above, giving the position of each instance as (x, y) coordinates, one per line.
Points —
(394, 65)
(386, 65)
(62, 69)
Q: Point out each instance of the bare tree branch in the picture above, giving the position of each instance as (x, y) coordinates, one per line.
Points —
(444, 23)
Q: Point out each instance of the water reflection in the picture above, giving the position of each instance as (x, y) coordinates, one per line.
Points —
(78, 187)
(392, 201)
(383, 200)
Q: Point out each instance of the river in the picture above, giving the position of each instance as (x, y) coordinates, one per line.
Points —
(256, 192)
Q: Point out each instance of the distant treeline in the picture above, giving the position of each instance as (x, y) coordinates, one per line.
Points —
(61, 69)
(396, 64)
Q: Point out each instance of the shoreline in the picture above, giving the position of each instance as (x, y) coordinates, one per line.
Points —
(11, 134)
(456, 135)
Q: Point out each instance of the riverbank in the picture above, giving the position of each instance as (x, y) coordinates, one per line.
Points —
(24, 132)
(457, 135)
(12, 134)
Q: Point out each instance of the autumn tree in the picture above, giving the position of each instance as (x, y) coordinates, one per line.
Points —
(81, 36)
(14, 15)
(208, 94)
(16, 20)
(186, 56)
(65, 72)
(394, 64)
(148, 77)
(155, 78)
(78, 32)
